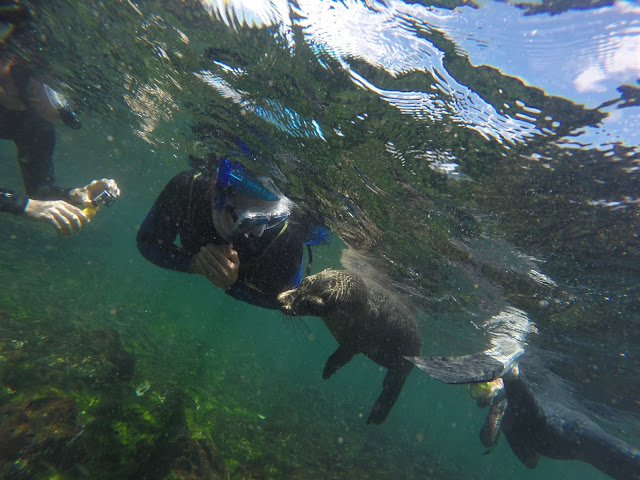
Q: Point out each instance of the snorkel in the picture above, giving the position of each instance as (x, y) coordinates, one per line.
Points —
(234, 176)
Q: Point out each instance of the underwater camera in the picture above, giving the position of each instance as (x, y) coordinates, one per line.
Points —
(103, 198)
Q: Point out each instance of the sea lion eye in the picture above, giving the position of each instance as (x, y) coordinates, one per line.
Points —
(316, 301)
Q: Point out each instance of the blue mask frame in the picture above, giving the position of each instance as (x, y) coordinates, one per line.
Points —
(234, 176)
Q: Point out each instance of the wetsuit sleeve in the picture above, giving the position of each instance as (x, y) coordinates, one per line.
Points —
(157, 234)
(12, 202)
(278, 268)
(35, 140)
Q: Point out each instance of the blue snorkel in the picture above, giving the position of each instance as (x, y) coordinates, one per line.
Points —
(233, 175)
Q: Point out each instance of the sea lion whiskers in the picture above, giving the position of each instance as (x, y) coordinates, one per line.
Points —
(297, 324)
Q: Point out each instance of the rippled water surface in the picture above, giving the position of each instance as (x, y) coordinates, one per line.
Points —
(478, 157)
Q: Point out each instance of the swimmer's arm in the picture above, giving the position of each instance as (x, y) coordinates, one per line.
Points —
(171, 258)
(160, 228)
(81, 197)
(156, 243)
(12, 202)
(64, 217)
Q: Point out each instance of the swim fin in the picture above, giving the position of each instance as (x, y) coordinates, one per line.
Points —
(478, 367)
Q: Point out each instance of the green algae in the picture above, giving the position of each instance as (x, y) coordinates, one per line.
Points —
(125, 435)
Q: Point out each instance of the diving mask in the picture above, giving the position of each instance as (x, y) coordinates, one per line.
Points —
(245, 205)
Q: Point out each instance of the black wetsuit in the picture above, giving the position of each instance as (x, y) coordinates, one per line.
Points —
(533, 425)
(35, 140)
(269, 264)
(534, 428)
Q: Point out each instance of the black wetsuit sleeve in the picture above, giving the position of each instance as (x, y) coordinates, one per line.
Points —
(157, 234)
(35, 139)
(272, 270)
(35, 142)
(12, 202)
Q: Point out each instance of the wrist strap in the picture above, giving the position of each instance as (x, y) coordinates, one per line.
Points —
(12, 202)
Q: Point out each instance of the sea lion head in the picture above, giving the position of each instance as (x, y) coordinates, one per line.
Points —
(326, 292)
(291, 303)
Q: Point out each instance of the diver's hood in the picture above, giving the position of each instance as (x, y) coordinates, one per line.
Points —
(244, 205)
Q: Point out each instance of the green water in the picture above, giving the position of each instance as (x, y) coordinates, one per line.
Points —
(221, 386)
(251, 381)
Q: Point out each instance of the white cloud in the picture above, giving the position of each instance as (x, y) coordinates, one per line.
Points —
(616, 59)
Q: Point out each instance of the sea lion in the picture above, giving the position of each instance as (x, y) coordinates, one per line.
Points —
(363, 320)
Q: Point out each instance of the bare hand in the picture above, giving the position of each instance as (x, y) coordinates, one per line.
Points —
(63, 216)
(85, 195)
(219, 263)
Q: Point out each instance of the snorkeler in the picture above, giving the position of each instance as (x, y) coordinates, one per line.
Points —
(534, 427)
(235, 229)
(28, 110)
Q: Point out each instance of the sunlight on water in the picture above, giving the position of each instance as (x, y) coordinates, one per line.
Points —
(284, 118)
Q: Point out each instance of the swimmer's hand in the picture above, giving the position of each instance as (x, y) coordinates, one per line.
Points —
(84, 196)
(64, 217)
(219, 263)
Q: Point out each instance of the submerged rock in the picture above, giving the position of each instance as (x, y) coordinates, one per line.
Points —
(37, 435)
(199, 460)
(67, 358)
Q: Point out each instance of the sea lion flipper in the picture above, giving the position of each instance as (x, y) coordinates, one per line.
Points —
(339, 358)
(391, 388)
